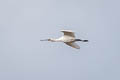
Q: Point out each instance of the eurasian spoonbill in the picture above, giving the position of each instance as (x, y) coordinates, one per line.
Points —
(68, 38)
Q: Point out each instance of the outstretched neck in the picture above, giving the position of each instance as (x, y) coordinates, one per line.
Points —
(54, 40)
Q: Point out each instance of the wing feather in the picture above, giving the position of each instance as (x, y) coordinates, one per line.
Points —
(73, 44)
(68, 33)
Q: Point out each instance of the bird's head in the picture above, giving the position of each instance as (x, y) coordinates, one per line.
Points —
(50, 39)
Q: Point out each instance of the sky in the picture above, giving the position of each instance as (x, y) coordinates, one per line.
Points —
(24, 22)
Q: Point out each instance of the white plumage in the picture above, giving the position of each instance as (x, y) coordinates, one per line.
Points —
(68, 38)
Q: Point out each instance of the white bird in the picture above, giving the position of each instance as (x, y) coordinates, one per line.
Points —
(68, 38)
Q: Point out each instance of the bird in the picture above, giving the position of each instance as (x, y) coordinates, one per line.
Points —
(68, 38)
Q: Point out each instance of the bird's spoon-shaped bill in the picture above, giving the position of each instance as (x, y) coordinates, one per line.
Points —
(45, 40)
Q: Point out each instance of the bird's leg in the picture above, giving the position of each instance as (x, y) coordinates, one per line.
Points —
(85, 40)
(78, 40)
(81, 40)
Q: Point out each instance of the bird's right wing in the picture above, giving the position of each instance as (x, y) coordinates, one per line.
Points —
(73, 44)
(68, 33)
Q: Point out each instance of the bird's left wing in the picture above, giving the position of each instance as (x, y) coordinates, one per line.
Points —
(68, 33)
(73, 44)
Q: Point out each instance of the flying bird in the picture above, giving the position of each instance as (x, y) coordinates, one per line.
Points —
(68, 38)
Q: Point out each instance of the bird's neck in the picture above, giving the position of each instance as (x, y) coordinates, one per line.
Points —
(55, 40)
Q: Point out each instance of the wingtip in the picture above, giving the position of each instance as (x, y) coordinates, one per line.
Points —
(67, 31)
(77, 48)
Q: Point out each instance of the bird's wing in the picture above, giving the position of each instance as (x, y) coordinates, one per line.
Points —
(73, 44)
(68, 33)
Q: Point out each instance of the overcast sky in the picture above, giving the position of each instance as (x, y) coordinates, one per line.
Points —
(24, 22)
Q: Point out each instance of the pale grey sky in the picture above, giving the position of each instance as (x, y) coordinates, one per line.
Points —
(24, 22)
